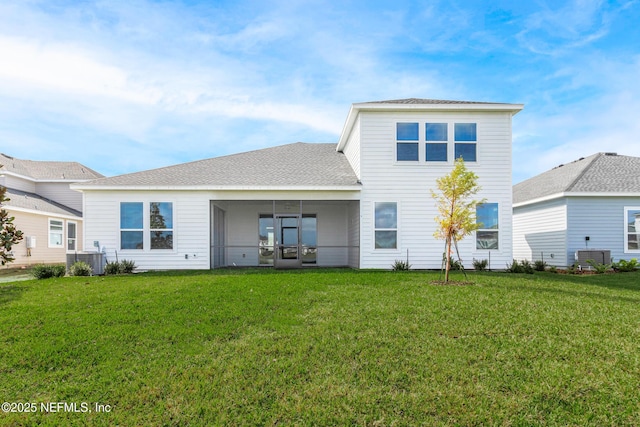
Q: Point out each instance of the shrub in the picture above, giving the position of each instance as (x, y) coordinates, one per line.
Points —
(552, 269)
(127, 266)
(46, 271)
(523, 266)
(80, 268)
(574, 268)
(625, 266)
(456, 265)
(480, 264)
(598, 267)
(120, 267)
(540, 265)
(400, 265)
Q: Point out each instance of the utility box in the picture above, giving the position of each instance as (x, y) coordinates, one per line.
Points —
(601, 256)
(94, 259)
(31, 242)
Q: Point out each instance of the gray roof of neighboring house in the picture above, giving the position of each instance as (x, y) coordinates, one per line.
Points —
(292, 165)
(598, 173)
(47, 171)
(34, 202)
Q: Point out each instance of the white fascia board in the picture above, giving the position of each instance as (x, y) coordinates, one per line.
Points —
(342, 188)
(43, 213)
(539, 199)
(36, 180)
(574, 194)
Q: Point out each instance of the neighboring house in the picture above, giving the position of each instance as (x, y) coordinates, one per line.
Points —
(46, 210)
(364, 202)
(591, 203)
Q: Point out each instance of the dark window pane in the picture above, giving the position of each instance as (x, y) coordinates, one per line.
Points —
(131, 240)
(162, 240)
(407, 151)
(131, 215)
(407, 131)
(160, 215)
(466, 151)
(436, 131)
(465, 132)
(437, 152)
(633, 221)
(386, 240)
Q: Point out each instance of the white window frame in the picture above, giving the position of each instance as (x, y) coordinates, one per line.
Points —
(75, 239)
(396, 229)
(50, 233)
(626, 233)
(146, 227)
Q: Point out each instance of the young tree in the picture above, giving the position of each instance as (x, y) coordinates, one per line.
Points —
(457, 213)
(9, 235)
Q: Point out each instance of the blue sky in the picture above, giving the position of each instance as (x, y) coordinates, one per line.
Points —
(127, 86)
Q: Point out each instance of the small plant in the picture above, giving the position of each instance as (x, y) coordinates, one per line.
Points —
(400, 265)
(480, 264)
(80, 268)
(112, 268)
(625, 266)
(552, 269)
(574, 268)
(599, 267)
(127, 266)
(540, 265)
(523, 266)
(119, 267)
(46, 271)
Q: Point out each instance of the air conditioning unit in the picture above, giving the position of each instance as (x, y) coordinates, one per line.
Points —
(601, 256)
(94, 259)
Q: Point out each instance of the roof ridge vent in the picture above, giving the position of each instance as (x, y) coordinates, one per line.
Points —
(610, 154)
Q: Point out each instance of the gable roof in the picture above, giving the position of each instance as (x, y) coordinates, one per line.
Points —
(606, 173)
(298, 165)
(47, 171)
(419, 104)
(34, 202)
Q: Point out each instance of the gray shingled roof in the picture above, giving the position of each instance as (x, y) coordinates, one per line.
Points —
(599, 173)
(292, 165)
(34, 202)
(47, 171)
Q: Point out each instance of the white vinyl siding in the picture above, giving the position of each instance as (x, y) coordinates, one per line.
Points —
(540, 232)
(191, 227)
(352, 148)
(410, 184)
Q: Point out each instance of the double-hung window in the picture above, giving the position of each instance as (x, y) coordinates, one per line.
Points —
(131, 225)
(161, 225)
(386, 225)
(406, 150)
(436, 147)
(632, 229)
(465, 136)
(56, 232)
(72, 235)
(488, 232)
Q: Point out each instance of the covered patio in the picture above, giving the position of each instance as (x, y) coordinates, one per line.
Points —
(285, 233)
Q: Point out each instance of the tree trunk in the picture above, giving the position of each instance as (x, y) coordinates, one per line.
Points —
(448, 265)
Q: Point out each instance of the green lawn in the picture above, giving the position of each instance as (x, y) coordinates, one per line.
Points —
(322, 347)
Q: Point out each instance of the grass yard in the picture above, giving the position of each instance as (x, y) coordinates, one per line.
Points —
(321, 347)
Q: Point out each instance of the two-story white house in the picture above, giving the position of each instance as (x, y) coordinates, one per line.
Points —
(364, 202)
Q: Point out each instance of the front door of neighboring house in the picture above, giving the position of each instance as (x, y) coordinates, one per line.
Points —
(287, 252)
